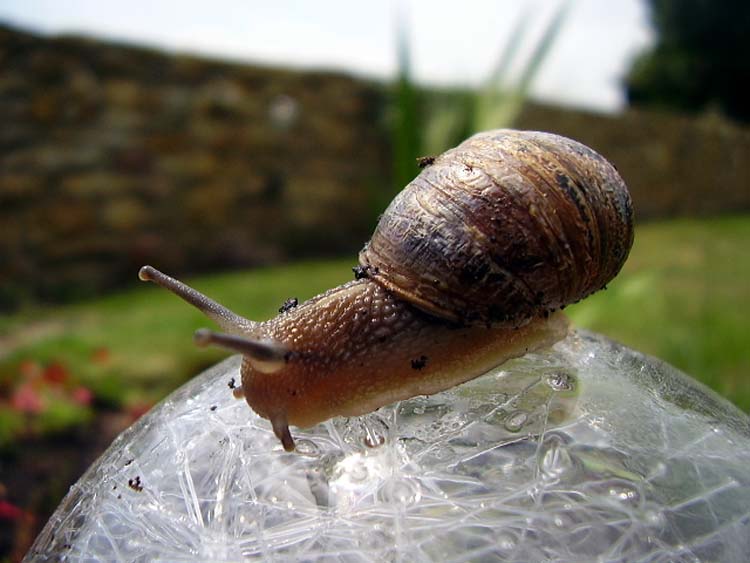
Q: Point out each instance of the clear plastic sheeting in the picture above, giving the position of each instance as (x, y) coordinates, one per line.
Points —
(588, 451)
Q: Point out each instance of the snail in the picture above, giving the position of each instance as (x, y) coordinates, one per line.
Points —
(468, 267)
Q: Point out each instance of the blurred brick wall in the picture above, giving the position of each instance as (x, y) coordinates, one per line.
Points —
(112, 157)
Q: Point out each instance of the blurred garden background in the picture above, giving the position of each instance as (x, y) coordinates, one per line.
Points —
(256, 175)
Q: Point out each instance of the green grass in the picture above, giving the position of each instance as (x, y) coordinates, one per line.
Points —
(683, 296)
(132, 348)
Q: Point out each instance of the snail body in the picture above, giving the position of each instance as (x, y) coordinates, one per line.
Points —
(465, 270)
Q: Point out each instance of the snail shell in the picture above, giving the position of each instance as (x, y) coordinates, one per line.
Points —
(461, 274)
(504, 227)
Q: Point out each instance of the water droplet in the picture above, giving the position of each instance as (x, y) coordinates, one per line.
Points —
(451, 422)
(370, 430)
(625, 493)
(307, 448)
(401, 491)
(515, 421)
(555, 459)
(506, 541)
(496, 416)
(375, 431)
(560, 381)
(659, 469)
(373, 441)
(618, 490)
(358, 471)
(655, 518)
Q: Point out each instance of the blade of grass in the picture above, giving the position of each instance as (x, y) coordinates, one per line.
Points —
(457, 114)
(406, 126)
(508, 53)
(500, 105)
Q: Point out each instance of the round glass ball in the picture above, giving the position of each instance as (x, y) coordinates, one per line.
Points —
(586, 451)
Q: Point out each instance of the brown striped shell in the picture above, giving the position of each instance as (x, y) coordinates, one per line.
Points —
(506, 226)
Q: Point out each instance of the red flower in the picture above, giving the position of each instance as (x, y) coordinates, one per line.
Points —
(9, 511)
(82, 396)
(55, 373)
(26, 399)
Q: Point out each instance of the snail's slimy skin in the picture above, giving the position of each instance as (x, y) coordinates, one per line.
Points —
(357, 347)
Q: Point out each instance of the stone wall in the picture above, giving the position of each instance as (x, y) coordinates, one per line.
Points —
(114, 156)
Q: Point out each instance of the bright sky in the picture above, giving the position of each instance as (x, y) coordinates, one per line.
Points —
(451, 42)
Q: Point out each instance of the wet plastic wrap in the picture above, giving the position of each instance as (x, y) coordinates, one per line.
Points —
(588, 451)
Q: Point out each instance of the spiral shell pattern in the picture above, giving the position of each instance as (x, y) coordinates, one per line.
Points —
(507, 226)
